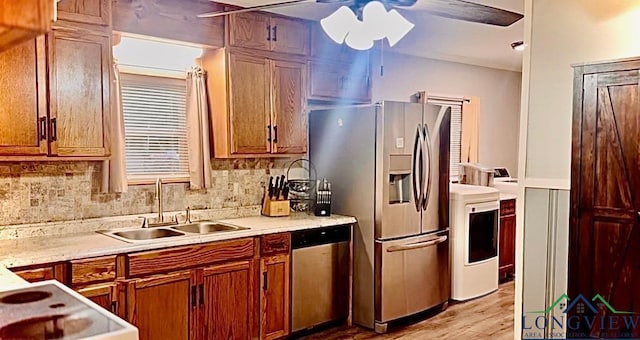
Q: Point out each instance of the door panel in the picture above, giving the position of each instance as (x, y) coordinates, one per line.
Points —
(275, 296)
(161, 306)
(250, 104)
(96, 12)
(229, 311)
(289, 36)
(289, 111)
(414, 275)
(104, 295)
(400, 132)
(250, 30)
(23, 101)
(79, 98)
(605, 234)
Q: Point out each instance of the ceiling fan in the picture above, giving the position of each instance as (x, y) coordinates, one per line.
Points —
(453, 9)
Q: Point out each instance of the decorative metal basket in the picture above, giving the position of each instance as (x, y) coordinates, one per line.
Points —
(301, 189)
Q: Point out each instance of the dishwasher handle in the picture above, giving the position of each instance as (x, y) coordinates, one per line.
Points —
(418, 245)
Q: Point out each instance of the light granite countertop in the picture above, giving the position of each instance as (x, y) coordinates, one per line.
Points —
(506, 196)
(47, 249)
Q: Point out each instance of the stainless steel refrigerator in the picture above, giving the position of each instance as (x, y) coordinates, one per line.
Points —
(389, 167)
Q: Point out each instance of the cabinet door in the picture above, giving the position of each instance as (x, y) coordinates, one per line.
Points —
(97, 12)
(250, 30)
(79, 93)
(289, 36)
(275, 296)
(340, 81)
(104, 295)
(289, 111)
(163, 306)
(23, 110)
(250, 104)
(507, 245)
(322, 47)
(229, 301)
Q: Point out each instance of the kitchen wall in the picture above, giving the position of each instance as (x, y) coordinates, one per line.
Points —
(499, 93)
(33, 192)
(559, 33)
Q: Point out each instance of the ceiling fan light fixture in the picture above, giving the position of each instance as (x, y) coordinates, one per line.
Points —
(396, 27)
(359, 38)
(339, 23)
(374, 16)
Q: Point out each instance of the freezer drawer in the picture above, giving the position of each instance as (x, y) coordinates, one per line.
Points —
(413, 275)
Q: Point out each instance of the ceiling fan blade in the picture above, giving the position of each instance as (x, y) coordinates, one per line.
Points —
(254, 8)
(469, 11)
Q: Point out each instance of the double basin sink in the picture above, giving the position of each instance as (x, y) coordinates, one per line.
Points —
(154, 233)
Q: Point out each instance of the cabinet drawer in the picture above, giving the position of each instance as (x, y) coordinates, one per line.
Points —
(93, 270)
(172, 259)
(275, 244)
(42, 272)
(507, 207)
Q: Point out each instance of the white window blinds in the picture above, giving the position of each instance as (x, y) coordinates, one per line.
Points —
(456, 130)
(155, 126)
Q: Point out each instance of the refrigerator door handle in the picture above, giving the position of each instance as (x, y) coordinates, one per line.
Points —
(418, 245)
(417, 191)
(427, 168)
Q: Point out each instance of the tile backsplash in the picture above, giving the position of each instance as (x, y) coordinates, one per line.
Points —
(64, 191)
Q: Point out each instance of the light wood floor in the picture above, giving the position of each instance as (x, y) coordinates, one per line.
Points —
(489, 317)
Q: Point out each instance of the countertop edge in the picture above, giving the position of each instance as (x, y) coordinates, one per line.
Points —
(121, 247)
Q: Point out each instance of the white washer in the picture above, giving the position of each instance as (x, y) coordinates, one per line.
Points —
(475, 225)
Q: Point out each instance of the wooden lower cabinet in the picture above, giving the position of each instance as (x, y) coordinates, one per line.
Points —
(275, 296)
(507, 246)
(164, 306)
(229, 301)
(104, 295)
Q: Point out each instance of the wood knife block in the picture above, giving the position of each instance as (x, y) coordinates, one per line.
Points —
(275, 208)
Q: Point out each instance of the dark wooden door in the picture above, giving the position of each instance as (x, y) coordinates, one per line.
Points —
(604, 250)
(275, 296)
(163, 306)
(229, 301)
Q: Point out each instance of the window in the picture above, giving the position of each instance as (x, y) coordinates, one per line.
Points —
(153, 84)
(456, 130)
(155, 126)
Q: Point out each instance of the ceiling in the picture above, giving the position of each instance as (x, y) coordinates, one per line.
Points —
(436, 37)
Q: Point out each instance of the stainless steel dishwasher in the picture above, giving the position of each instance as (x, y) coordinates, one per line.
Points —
(320, 277)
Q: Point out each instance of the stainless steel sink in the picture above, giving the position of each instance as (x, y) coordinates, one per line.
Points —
(146, 234)
(206, 228)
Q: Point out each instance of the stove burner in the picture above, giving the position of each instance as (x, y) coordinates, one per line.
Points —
(48, 327)
(25, 297)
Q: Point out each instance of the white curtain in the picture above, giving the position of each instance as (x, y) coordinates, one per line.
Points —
(114, 171)
(198, 130)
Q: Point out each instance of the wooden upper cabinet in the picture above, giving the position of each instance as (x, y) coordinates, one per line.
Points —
(23, 20)
(332, 81)
(322, 47)
(229, 299)
(289, 35)
(96, 12)
(261, 31)
(163, 306)
(250, 30)
(275, 297)
(289, 109)
(250, 104)
(257, 104)
(79, 80)
(23, 110)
